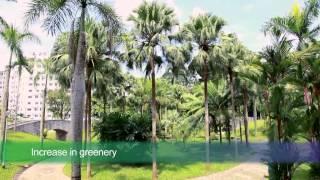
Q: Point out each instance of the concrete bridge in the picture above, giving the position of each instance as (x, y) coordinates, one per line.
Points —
(61, 127)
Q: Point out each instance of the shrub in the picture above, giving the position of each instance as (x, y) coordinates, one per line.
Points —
(118, 126)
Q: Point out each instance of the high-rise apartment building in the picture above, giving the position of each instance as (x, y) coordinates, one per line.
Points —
(30, 91)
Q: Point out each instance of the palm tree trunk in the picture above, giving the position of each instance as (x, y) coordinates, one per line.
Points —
(104, 104)
(228, 131)
(240, 131)
(43, 113)
(279, 126)
(220, 133)
(232, 103)
(77, 98)
(154, 118)
(233, 112)
(17, 104)
(206, 114)
(89, 127)
(5, 100)
(62, 112)
(245, 113)
(85, 125)
(255, 116)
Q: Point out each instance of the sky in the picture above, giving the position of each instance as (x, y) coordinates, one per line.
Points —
(244, 17)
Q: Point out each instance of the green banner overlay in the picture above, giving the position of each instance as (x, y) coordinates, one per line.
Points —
(123, 152)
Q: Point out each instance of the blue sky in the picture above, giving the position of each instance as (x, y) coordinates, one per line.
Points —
(244, 17)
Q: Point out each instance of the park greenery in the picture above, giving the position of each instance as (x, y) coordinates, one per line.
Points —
(213, 90)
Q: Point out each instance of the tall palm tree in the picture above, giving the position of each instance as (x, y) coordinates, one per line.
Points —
(20, 64)
(13, 38)
(229, 54)
(151, 21)
(248, 72)
(203, 32)
(276, 66)
(99, 61)
(46, 64)
(58, 12)
(99, 64)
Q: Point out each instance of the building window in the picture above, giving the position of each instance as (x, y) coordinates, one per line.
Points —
(29, 109)
(29, 96)
(30, 90)
(36, 96)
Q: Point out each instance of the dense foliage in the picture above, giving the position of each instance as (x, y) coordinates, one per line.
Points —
(118, 126)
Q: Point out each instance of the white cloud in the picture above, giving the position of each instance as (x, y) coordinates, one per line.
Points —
(248, 8)
(198, 11)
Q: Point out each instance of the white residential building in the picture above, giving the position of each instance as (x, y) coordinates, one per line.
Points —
(30, 91)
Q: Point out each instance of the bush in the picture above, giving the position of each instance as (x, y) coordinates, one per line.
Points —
(118, 126)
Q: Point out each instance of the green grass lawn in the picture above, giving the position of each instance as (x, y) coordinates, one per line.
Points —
(166, 171)
(302, 172)
(261, 135)
(13, 168)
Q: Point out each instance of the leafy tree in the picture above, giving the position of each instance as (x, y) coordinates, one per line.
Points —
(59, 103)
(125, 127)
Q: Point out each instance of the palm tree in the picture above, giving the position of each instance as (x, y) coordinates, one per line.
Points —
(192, 105)
(13, 38)
(21, 64)
(248, 72)
(151, 21)
(299, 23)
(99, 64)
(46, 64)
(203, 32)
(229, 54)
(177, 54)
(275, 67)
(57, 14)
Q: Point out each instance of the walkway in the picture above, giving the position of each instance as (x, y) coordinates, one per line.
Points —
(253, 170)
(43, 171)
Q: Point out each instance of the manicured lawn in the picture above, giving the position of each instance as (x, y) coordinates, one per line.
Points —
(166, 171)
(11, 169)
(302, 172)
(261, 135)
